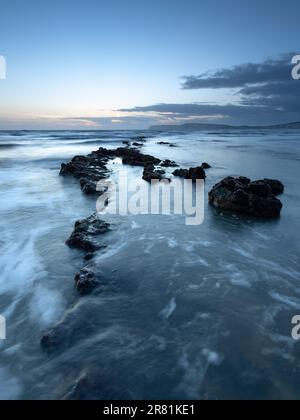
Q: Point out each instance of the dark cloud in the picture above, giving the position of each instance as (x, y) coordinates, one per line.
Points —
(271, 70)
(265, 94)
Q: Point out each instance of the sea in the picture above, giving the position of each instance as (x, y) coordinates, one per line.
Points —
(191, 312)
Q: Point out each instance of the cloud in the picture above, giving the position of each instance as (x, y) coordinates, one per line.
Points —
(270, 71)
(265, 94)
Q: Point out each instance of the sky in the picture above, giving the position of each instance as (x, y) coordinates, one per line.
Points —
(123, 64)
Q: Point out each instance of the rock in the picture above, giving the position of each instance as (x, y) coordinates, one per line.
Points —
(92, 168)
(140, 139)
(86, 281)
(126, 143)
(276, 186)
(205, 165)
(150, 173)
(85, 232)
(164, 143)
(172, 145)
(240, 195)
(136, 158)
(169, 164)
(192, 173)
(137, 144)
(88, 186)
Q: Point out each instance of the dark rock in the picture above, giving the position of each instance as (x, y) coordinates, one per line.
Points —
(86, 281)
(137, 144)
(169, 164)
(150, 173)
(92, 168)
(85, 233)
(240, 195)
(192, 173)
(89, 256)
(276, 186)
(163, 143)
(88, 186)
(182, 173)
(135, 157)
(172, 145)
(205, 165)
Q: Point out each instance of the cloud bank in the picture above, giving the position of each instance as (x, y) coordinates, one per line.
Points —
(265, 94)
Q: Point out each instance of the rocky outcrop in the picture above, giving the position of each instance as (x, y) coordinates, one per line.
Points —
(93, 168)
(86, 281)
(151, 173)
(169, 164)
(192, 173)
(240, 195)
(205, 165)
(85, 234)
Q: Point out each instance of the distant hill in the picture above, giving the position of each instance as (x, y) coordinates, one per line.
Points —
(212, 127)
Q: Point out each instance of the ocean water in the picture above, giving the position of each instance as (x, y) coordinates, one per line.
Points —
(193, 312)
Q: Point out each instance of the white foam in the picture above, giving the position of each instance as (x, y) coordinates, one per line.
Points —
(288, 301)
(169, 309)
(212, 357)
(46, 306)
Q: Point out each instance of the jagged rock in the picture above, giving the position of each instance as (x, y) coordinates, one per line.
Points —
(150, 173)
(136, 158)
(86, 280)
(240, 195)
(92, 168)
(192, 173)
(88, 186)
(135, 144)
(85, 232)
(163, 143)
(205, 165)
(169, 164)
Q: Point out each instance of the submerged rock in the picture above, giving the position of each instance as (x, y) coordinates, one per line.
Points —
(85, 232)
(94, 384)
(192, 173)
(240, 195)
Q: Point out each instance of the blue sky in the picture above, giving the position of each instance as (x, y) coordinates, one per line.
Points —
(119, 64)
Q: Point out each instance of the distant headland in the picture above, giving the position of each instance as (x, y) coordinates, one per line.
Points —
(212, 127)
